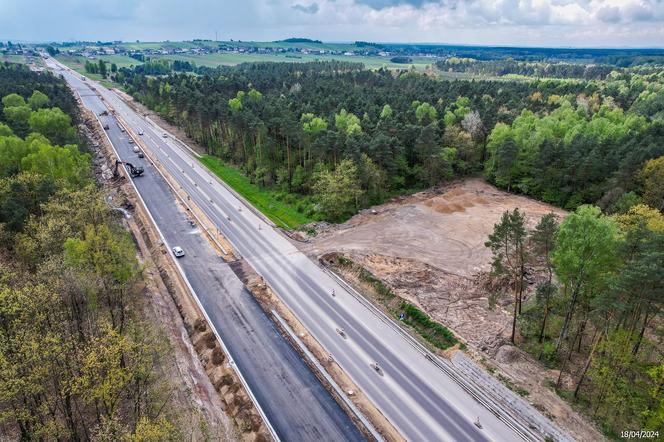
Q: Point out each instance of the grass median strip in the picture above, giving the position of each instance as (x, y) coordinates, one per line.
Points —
(281, 213)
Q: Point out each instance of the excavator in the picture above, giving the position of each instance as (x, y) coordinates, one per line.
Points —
(134, 171)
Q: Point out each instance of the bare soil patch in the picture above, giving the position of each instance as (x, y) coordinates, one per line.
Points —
(445, 228)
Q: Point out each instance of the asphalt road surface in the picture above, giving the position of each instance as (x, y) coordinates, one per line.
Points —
(420, 400)
(294, 401)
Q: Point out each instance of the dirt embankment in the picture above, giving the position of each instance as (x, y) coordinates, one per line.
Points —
(215, 405)
(428, 248)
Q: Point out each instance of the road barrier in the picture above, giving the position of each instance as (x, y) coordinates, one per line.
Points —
(510, 419)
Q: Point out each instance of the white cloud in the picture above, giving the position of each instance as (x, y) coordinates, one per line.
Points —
(512, 22)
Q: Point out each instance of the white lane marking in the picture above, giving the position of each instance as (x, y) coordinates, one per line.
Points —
(223, 196)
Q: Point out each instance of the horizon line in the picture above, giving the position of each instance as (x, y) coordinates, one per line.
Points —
(348, 42)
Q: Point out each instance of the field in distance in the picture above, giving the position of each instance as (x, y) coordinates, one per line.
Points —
(77, 62)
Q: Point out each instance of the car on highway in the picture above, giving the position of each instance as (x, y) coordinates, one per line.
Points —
(376, 367)
(164, 135)
(140, 131)
(178, 252)
(136, 149)
(105, 126)
(141, 155)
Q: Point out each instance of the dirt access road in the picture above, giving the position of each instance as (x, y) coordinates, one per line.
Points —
(429, 249)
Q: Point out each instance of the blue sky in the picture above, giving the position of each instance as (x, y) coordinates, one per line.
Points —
(603, 23)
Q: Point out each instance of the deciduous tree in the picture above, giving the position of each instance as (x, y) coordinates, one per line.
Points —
(585, 253)
(338, 192)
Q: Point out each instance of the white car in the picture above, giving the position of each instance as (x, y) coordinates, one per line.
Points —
(164, 135)
(140, 131)
(178, 252)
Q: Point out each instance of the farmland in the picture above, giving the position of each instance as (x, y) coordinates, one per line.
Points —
(231, 59)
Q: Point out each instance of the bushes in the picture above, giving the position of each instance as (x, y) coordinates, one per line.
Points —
(435, 333)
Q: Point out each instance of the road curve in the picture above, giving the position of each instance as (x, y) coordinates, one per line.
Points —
(294, 401)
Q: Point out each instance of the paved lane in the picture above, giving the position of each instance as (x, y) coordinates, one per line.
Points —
(420, 400)
(294, 401)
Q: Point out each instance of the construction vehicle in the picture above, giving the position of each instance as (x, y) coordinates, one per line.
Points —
(134, 171)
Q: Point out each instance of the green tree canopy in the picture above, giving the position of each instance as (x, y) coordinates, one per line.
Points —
(58, 163)
(338, 192)
(53, 124)
(386, 112)
(586, 252)
(313, 125)
(652, 176)
(508, 245)
(425, 110)
(38, 100)
(347, 123)
(17, 117)
(13, 100)
(5, 131)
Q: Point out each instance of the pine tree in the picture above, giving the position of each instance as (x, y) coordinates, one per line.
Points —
(507, 242)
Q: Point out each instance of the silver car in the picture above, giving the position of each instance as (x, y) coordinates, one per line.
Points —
(178, 252)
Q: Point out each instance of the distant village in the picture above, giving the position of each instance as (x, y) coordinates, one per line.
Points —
(10, 48)
(202, 47)
(118, 48)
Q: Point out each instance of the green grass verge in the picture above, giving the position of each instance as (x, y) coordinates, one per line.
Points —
(281, 213)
